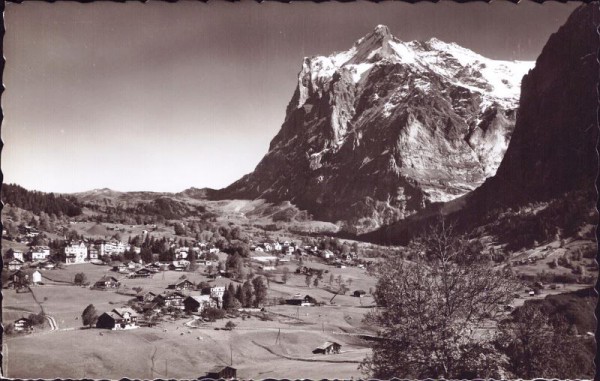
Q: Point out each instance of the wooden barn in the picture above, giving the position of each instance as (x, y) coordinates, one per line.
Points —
(183, 285)
(302, 301)
(119, 318)
(171, 299)
(23, 324)
(107, 282)
(197, 303)
(328, 347)
(141, 273)
(224, 372)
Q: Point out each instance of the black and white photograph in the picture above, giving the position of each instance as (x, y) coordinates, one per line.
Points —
(270, 190)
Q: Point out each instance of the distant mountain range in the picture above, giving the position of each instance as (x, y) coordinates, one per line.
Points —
(378, 132)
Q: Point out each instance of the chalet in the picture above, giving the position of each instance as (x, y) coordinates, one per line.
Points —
(117, 319)
(171, 299)
(215, 292)
(48, 265)
(76, 253)
(29, 231)
(298, 300)
(107, 282)
(183, 285)
(197, 303)
(150, 306)
(23, 325)
(38, 253)
(145, 296)
(18, 279)
(123, 269)
(93, 253)
(221, 372)
(141, 273)
(15, 264)
(359, 293)
(154, 267)
(36, 277)
(179, 265)
(326, 254)
(181, 254)
(328, 347)
(18, 254)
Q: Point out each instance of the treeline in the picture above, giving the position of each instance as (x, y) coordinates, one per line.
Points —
(156, 211)
(38, 202)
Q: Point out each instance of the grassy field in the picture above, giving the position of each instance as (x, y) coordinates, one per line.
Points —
(276, 344)
(154, 353)
(182, 352)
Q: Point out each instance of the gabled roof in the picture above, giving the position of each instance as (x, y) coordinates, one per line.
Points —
(107, 278)
(327, 344)
(200, 298)
(123, 311)
(175, 294)
(219, 368)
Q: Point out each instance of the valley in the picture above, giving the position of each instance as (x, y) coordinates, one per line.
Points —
(424, 211)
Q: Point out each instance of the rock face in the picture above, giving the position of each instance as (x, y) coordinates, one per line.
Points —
(378, 132)
(553, 149)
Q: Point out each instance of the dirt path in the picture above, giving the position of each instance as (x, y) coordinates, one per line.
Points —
(52, 322)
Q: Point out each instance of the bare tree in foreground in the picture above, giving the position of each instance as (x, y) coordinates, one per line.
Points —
(434, 307)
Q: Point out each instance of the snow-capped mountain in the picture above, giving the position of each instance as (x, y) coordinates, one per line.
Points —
(377, 132)
(552, 154)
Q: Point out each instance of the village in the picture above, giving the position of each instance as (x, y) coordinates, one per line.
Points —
(272, 286)
(294, 302)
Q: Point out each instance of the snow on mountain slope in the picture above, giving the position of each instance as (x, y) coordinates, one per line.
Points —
(375, 133)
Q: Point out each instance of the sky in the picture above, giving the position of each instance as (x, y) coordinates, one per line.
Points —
(167, 96)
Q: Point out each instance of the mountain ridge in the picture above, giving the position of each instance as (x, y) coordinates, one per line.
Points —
(366, 115)
(553, 152)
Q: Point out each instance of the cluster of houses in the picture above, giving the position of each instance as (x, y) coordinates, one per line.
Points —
(81, 252)
(276, 247)
(173, 298)
(26, 234)
(75, 252)
(276, 252)
(36, 254)
(22, 278)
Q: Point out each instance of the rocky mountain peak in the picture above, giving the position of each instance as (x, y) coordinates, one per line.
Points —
(372, 47)
(375, 133)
